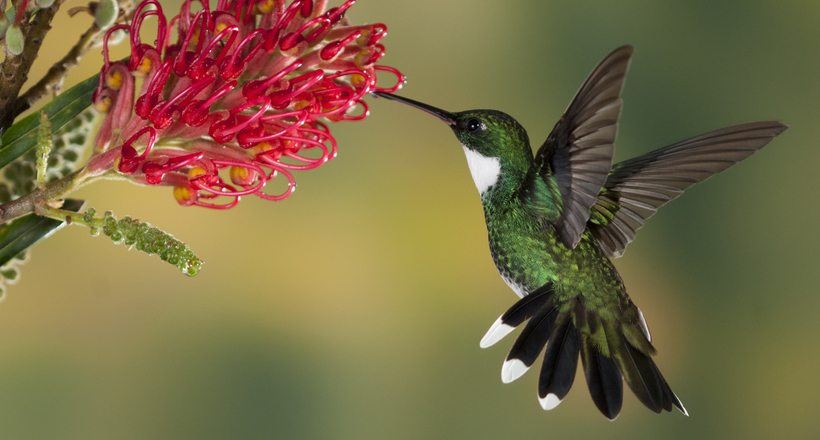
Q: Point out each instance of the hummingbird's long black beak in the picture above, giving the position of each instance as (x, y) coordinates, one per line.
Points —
(437, 112)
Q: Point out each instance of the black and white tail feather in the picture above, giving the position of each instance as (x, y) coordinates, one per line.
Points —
(629, 358)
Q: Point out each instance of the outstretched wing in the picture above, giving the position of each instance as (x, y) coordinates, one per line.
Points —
(578, 152)
(636, 188)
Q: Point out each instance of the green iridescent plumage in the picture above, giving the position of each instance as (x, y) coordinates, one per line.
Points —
(555, 220)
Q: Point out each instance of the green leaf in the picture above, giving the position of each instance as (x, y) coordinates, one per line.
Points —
(21, 234)
(22, 136)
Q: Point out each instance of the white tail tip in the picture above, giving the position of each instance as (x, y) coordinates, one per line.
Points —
(549, 402)
(495, 333)
(512, 370)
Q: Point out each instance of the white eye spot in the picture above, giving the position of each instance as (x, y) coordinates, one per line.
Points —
(485, 170)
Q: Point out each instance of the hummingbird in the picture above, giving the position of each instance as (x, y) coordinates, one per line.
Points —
(556, 220)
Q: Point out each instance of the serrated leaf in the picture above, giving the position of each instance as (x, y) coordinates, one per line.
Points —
(22, 136)
(21, 234)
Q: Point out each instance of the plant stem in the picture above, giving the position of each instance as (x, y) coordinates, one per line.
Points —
(70, 217)
(14, 69)
(56, 74)
(26, 204)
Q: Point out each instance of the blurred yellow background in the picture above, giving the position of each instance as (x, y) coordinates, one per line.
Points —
(353, 309)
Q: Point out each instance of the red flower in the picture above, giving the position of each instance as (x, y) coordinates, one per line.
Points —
(237, 99)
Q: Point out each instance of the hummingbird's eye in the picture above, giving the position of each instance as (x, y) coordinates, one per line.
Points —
(474, 124)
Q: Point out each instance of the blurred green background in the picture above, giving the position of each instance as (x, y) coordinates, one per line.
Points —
(353, 309)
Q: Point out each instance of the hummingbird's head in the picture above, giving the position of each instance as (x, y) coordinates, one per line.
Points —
(490, 133)
(493, 141)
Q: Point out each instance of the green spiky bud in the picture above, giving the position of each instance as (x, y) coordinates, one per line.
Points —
(89, 215)
(144, 238)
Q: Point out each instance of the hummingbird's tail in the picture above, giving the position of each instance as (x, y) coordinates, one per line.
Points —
(610, 350)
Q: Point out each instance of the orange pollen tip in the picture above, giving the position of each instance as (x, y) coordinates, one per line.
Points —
(196, 172)
(114, 80)
(358, 80)
(103, 105)
(363, 57)
(265, 6)
(362, 40)
(262, 147)
(243, 176)
(194, 40)
(241, 172)
(143, 69)
(184, 195)
(288, 144)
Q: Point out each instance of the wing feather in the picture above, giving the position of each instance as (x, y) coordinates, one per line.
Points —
(578, 151)
(638, 187)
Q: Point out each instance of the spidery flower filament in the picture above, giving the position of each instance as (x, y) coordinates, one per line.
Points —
(230, 96)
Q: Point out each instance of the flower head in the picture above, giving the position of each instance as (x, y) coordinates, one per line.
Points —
(237, 98)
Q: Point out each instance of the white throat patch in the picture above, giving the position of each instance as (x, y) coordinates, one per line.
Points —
(485, 170)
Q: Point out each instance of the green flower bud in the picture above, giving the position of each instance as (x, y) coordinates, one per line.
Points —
(89, 215)
(144, 238)
(106, 13)
(15, 42)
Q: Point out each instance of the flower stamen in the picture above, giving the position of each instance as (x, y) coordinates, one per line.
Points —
(233, 96)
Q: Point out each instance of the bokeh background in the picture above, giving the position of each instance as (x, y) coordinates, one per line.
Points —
(353, 309)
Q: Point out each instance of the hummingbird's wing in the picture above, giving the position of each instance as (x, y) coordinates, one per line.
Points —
(636, 188)
(578, 152)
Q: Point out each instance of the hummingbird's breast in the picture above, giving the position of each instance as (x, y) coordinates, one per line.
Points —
(529, 253)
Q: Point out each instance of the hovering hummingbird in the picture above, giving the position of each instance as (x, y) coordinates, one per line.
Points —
(555, 220)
